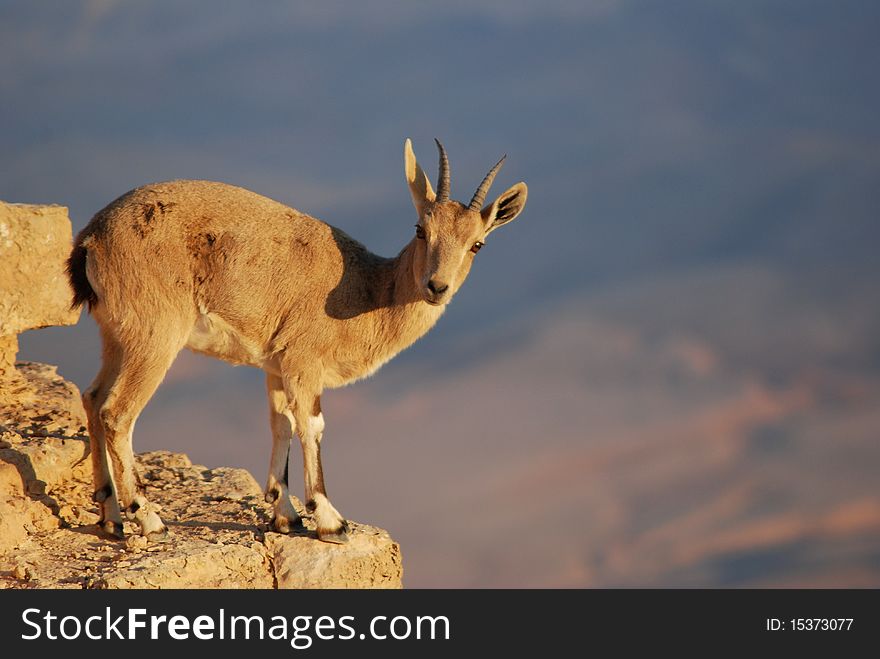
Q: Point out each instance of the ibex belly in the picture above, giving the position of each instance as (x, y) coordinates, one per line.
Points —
(212, 335)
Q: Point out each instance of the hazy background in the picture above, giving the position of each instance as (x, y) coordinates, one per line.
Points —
(666, 372)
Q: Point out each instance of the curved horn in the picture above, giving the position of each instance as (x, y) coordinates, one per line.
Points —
(480, 195)
(443, 176)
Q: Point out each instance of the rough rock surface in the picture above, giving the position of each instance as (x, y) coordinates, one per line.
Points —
(217, 517)
(34, 244)
(371, 559)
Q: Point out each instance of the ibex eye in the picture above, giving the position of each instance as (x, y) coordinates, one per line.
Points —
(420, 232)
(476, 247)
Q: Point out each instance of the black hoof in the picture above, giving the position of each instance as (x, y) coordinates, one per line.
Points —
(113, 529)
(286, 525)
(337, 537)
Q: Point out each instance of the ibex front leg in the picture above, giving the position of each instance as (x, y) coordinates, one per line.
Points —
(306, 404)
(282, 423)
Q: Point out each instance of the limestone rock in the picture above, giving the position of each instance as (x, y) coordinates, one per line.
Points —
(370, 559)
(8, 351)
(42, 413)
(34, 244)
(42, 439)
(217, 518)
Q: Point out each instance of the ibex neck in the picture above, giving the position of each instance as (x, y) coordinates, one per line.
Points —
(378, 312)
(404, 316)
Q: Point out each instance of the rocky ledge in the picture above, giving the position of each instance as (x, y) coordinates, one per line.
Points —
(218, 521)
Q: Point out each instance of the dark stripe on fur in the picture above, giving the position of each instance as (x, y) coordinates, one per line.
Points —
(319, 476)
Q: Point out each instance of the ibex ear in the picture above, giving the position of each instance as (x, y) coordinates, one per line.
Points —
(504, 209)
(419, 185)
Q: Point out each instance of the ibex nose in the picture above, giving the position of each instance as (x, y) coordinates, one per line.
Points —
(437, 287)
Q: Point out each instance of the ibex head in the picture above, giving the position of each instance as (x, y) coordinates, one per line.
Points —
(448, 233)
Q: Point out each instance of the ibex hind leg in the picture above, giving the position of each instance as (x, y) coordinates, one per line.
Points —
(142, 368)
(93, 398)
(285, 518)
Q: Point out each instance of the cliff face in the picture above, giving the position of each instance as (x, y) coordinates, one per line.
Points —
(219, 524)
(34, 244)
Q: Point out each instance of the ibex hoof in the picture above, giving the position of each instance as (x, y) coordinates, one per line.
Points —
(284, 525)
(160, 535)
(337, 537)
(113, 529)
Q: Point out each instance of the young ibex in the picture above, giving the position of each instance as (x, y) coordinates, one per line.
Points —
(229, 273)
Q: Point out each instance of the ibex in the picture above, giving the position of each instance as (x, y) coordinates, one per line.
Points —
(229, 273)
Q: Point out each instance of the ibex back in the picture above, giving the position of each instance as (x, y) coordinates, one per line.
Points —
(229, 273)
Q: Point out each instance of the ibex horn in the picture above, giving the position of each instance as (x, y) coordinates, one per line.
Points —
(480, 195)
(443, 176)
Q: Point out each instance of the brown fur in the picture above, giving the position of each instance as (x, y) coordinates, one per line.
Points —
(229, 273)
